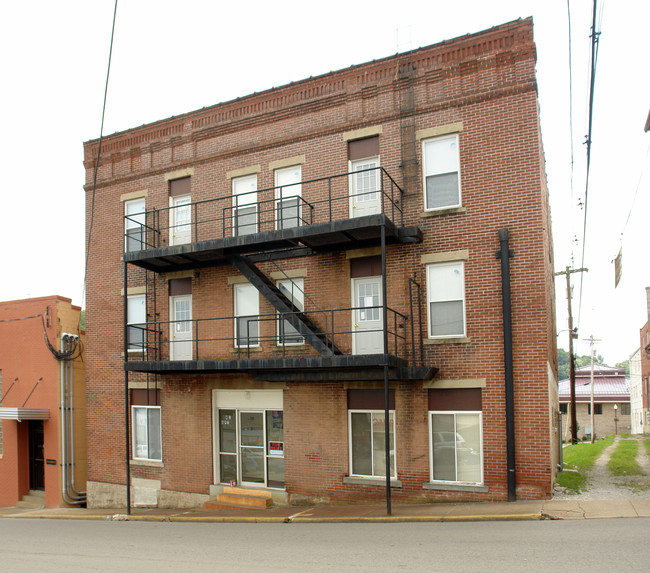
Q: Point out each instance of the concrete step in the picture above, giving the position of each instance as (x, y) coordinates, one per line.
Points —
(237, 498)
(253, 492)
(35, 499)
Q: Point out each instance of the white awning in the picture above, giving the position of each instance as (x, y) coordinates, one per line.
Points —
(21, 414)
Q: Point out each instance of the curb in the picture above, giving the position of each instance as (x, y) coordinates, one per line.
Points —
(259, 519)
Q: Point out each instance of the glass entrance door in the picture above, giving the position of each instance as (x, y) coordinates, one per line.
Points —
(251, 447)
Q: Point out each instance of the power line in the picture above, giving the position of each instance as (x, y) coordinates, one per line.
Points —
(99, 150)
(592, 82)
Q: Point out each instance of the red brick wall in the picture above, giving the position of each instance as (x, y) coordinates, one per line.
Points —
(487, 82)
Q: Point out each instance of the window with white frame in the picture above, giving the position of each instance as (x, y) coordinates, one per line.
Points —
(293, 290)
(446, 299)
(455, 441)
(441, 172)
(136, 320)
(244, 203)
(247, 310)
(134, 220)
(288, 189)
(368, 443)
(147, 435)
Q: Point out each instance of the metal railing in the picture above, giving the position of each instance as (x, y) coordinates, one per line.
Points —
(310, 202)
(263, 337)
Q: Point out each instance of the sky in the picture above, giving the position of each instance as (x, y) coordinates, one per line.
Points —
(172, 57)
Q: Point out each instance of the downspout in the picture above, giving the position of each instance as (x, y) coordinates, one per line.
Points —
(386, 388)
(70, 382)
(70, 494)
(505, 254)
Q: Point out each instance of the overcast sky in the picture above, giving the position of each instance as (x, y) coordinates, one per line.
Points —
(171, 57)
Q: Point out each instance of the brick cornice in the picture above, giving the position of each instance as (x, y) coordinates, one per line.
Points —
(514, 38)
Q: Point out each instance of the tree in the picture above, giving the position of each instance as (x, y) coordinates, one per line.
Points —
(563, 362)
(625, 364)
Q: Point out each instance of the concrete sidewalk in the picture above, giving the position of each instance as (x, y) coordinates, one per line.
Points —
(434, 512)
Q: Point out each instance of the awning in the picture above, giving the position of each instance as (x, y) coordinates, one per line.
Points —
(21, 414)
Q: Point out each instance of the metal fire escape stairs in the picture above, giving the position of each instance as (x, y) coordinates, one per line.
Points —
(312, 334)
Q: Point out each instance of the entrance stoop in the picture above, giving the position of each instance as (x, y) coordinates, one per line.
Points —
(35, 499)
(239, 498)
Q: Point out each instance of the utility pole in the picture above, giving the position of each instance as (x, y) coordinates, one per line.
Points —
(591, 341)
(572, 366)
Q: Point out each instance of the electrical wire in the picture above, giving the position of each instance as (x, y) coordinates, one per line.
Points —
(594, 58)
(76, 347)
(568, 7)
(99, 150)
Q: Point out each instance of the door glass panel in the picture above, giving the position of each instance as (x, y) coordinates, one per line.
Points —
(228, 467)
(368, 298)
(182, 314)
(252, 465)
(252, 429)
(227, 431)
(365, 183)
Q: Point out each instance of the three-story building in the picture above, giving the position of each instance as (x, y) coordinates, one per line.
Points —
(277, 283)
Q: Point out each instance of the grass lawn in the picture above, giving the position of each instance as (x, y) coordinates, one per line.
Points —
(580, 458)
(623, 460)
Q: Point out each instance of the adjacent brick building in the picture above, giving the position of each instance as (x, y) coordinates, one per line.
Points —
(43, 403)
(292, 257)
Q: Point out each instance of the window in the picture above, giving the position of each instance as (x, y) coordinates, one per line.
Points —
(134, 221)
(293, 290)
(136, 307)
(441, 172)
(180, 212)
(287, 195)
(147, 437)
(456, 446)
(244, 203)
(247, 309)
(625, 409)
(368, 443)
(598, 409)
(446, 299)
(564, 408)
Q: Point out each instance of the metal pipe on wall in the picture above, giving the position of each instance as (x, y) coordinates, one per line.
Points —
(504, 253)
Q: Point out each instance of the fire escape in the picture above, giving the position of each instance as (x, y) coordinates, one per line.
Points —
(282, 225)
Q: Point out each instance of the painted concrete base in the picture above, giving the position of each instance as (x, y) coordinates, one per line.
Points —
(144, 493)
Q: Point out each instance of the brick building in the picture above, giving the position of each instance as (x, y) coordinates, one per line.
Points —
(43, 405)
(306, 268)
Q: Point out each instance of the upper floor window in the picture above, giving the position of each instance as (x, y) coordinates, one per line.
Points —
(244, 203)
(287, 197)
(446, 299)
(136, 307)
(441, 172)
(134, 221)
(180, 211)
(293, 290)
(247, 310)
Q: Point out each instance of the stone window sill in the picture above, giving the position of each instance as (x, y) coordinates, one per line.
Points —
(450, 340)
(441, 212)
(441, 486)
(147, 463)
(371, 481)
